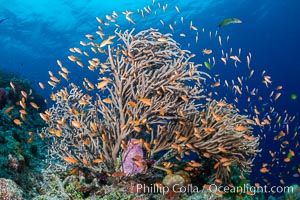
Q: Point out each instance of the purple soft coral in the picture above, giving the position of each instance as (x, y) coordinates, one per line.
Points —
(133, 154)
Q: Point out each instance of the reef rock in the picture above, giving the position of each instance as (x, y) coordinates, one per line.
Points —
(10, 190)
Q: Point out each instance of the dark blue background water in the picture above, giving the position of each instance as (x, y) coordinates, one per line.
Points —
(37, 33)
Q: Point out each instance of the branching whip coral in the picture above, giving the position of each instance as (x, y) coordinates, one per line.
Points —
(150, 91)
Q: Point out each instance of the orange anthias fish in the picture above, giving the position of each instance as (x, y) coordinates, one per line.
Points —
(7, 110)
(207, 51)
(146, 101)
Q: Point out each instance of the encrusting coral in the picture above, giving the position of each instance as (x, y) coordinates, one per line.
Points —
(150, 93)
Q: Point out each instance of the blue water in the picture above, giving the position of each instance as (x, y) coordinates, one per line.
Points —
(36, 33)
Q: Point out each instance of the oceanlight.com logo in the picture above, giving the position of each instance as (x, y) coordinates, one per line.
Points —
(250, 190)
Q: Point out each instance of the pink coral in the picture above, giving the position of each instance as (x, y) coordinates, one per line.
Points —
(133, 153)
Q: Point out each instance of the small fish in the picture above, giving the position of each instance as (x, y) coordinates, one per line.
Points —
(207, 51)
(226, 83)
(171, 27)
(185, 98)
(76, 124)
(216, 84)
(18, 122)
(107, 41)
(70, 159)
(277, 95)
(146, 101)
(118, 174)
(77, 50)
(267, 79)
(224, 60)
(132, 104)
(238, 89)
(240, 81)
(83, 43)
(264, 170)
(41, 85)
(127, 14)
(79, 63)
(162, 39)
(229, 21)
(192, 27)
(102, 84)
(162, 22)
(89, 36)
(279, 87)
(97, 160)
(235, 58)
(55, 79)
(24, 94)
(107, 100)
(147, 146)
(34, 105)
(221, 103)
(59, 63)
(177, 9)
(7, 110)
(137, 129)
(207, 65)
(248, 61)
(222, 149)
(61, 121)
(195, 164)
(161, 110)
(52, 83)
(22, 103)
(220, 40)
(12, 85)
(251, 73)
(64, 75)
(100, 20)
(30, 140)
(241, 128)
(45, 117)
(53, 97)
(72, 58)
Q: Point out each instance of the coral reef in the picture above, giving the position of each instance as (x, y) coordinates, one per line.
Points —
(292, 193)
(20, 161)
(204, 194)
(21, 150)
(10, 190)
